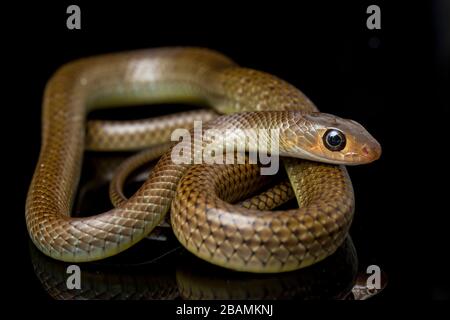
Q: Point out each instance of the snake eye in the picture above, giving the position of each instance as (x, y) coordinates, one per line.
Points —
(334, 140)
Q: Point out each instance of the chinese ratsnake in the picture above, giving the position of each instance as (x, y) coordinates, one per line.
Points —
(314, 146)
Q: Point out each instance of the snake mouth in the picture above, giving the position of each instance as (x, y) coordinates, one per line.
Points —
(348, 159)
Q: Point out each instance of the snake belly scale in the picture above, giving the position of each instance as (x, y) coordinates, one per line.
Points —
(202, 218)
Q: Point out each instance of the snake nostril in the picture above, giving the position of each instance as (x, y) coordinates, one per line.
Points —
(365, 150)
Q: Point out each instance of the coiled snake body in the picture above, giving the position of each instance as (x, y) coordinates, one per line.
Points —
(202, 218)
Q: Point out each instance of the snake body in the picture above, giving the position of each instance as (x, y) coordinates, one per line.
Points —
(202, 219)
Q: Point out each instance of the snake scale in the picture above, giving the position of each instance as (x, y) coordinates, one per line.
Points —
(199, 197)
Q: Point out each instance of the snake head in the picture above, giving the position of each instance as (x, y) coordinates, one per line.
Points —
(326, 138)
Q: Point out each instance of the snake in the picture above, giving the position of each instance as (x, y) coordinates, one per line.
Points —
(314, 147)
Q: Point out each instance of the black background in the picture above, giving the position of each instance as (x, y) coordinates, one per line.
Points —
(398, 91)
